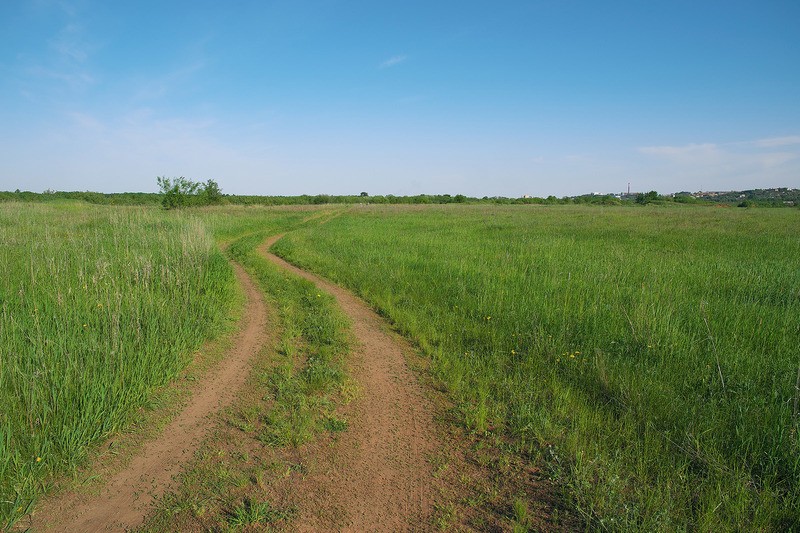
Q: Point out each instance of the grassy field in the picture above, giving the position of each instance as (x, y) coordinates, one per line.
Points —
(648, 355)
(290, 399)
(102, 305)
(99, 305)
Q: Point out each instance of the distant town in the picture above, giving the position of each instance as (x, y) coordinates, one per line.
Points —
(776, 197)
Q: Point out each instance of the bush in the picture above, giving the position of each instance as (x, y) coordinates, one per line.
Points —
(646, 198)
(182, 192)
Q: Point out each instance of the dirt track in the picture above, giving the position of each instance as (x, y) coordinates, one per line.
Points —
(376, 475)
(126, 497)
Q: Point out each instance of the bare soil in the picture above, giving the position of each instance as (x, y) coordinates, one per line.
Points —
(377, 475)
(126, 497)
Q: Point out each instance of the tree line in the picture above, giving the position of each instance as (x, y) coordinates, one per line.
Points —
(182, 192)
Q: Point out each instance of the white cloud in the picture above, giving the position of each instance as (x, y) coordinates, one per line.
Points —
(76, 79)
(689, 150)
(69, 43)
(66, 58)
(86, 121)
(394, 60)
(690, 154)
(124, 152)
(777, 141)
(730, 165)
(776, 159)
(159, 86)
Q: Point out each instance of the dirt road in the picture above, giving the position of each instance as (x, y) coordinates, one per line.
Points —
(376, 475)
(126, 497)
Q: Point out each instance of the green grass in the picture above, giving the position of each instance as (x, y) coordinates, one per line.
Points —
(290, 399)
(648, 355)
(309, 369)
(99, 306)
(249, 513)
(229, 223)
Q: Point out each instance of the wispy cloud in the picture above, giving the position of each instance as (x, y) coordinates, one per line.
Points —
(777, 141)
(751, 162)
(69, 43)
(133, 147)
(159, 86)
(710, 152)
(393, 61)
(75, 79)
(86, 121)
(66, 57)
(692, 154)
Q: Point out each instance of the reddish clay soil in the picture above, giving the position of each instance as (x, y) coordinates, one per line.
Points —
(377, 474)
(126, 497)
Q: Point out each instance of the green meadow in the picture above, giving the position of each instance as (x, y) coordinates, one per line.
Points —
(646, 356)
(290, 398)
(98, 305)
(102, 305)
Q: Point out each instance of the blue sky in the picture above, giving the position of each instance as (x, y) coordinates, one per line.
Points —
(334, 96)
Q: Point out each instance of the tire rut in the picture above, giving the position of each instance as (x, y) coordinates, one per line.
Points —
(127, 496)
(377, 474)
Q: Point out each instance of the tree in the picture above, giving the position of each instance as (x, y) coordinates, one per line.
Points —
(212, 194)
(176, 191)
(182, 192)
(645, 199)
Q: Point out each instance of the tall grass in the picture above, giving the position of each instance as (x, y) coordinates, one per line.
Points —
(649, 355)
(228, 223)
(97, 305)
